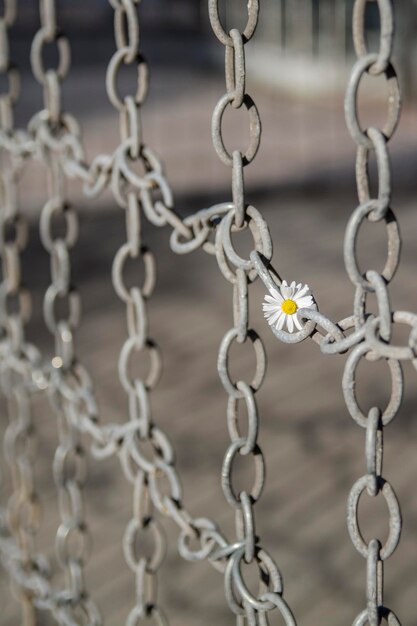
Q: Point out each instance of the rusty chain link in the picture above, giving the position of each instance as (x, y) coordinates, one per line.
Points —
(54, 137)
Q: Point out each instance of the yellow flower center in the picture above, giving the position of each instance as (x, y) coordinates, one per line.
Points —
(289, 307)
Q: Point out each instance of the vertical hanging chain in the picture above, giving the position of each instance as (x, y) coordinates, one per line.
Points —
(141, 472)
(240, 272)
(69, 468)
(372, 334)
(373, 141)
(18, 358)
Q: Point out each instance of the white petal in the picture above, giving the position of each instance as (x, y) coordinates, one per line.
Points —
(270, 313)
(281, 322)
(270, 307)
(275, 294)
(274, 317)
(273, 300)
(297, 322)
(290, 323)
(305, 301)
(302, 291)
(286, 291)
(293, 285)
(278, 298)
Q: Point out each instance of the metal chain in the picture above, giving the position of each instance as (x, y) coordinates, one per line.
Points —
(155, 479)
(371, 335)
(54, 137)
(69, 468)
(135, 195)
(67, 380)
(138, 468)
(373, 141)
(18, 358)
(249, 608)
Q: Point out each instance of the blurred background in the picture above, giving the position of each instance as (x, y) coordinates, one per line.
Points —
(303, 183)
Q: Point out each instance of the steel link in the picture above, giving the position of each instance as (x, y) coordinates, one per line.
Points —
(363, 212)
(229, 493)
(223, 37)
(373, 140)
(371, 335)
(72, 538)
(18, 357)
(235, 68)
(388, 351)
(394, 519)
(137, 195)
(374, 582)
(254, 129)
(349, 387)
(253, 418)
(236, 217)
(379, 146)
(223, 362)
(277, 600)
(362, 67)
(374, 451)
(386, 33)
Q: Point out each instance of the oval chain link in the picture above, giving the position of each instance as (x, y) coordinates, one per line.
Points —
(241, 272)
(18, 358)
(373, 209)
(69, 468)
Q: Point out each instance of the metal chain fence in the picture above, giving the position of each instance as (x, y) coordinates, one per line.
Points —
(54, 139)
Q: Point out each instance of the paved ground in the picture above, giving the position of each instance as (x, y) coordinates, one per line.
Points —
(302, 182)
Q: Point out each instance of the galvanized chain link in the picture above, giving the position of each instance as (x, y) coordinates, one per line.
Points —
(143, 472)
(48, 138)
(62, 308)
(18, 358)
(54, 137)
(136, 195)
(251, 608)
(373, 141)
(371, 335)
(155, 480)
(23, 511)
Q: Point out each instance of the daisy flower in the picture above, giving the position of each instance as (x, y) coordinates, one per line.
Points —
(282, 304)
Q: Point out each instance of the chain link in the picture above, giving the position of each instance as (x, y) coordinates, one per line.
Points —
(18, 358)
(246, 605)
(371, 335)
(156, 484)
(69, 468)
(53, 136)
(373, 209)
(127, 187)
